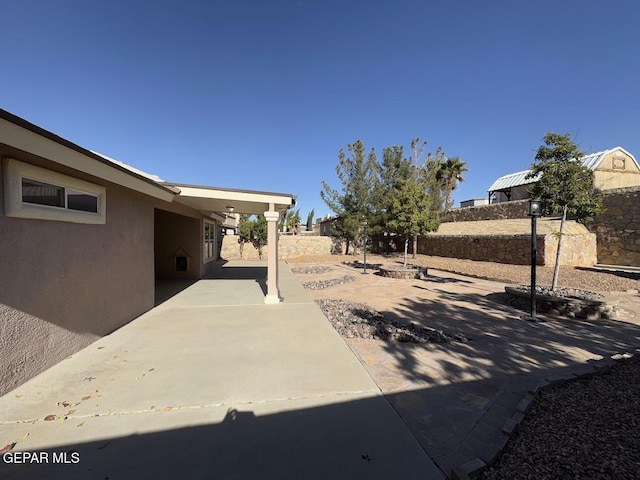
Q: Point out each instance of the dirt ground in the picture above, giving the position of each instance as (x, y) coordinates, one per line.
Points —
(571, 277)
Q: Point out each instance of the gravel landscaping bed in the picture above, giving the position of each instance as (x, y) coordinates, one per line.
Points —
(588, 428)
(563, 292)
(322, 284)
(570, 277)
(311, 269)
(358, 320)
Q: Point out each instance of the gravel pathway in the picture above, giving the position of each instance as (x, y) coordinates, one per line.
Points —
(358, 320)
(585, 429)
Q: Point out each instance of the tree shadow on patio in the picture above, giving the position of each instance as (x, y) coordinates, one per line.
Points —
(501, 342)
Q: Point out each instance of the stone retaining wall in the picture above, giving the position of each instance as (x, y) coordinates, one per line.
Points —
(618, 235)
(577, 250)
(495, 211)
(289, 246)
(617, 230)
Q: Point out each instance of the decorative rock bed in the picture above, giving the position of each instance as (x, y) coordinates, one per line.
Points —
(311, 269)
(568, 303)
(332, 282)
(399, 272)
(358, 320)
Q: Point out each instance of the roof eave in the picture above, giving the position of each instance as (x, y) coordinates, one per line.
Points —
(23, 135)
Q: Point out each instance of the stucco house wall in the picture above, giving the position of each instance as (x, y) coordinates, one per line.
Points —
(83, 236)
(62, 284)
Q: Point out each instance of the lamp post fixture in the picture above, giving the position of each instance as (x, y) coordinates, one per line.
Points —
(535, 207)
(364, 225)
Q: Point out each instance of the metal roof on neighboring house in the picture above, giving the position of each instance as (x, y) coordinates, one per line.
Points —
(512, 180)
(519, 178)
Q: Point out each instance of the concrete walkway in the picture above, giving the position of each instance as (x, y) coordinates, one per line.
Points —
(213, 384)
(457, 397)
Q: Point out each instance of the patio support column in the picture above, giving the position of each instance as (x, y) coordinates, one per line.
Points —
(273, 293)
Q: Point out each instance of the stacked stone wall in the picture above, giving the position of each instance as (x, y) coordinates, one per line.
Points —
(618, 228)
(289, 246)
(495, 211)
(617, 232)
(577, 250)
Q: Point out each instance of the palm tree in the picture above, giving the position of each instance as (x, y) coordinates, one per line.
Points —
(450, 174)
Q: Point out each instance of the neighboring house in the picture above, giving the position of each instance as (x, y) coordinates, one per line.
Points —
(474, 202)
(86, 237)
(230, 223)
(614, 168)
(325, 225)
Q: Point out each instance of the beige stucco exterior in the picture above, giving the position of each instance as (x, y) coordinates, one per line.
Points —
(63, 285)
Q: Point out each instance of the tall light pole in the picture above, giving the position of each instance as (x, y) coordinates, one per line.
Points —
(535, 206)
(364, 225)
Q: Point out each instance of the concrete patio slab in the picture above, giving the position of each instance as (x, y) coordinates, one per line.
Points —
(307, 438)
(214, 384)
(456, 397)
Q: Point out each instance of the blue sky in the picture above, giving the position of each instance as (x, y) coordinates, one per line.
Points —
(262, 95)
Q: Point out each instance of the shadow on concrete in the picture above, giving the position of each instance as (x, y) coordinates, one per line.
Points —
(165, 289)
(449, 387)
(432, 279)
(241, 272)
(338, 441)
(501, 339)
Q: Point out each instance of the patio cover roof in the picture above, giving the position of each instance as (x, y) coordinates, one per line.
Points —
(18, 133)
(216, 199)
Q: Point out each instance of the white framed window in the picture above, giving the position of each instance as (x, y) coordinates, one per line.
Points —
(210, 241)
(38, 193)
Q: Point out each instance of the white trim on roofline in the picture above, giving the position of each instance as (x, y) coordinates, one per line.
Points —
(19, 137)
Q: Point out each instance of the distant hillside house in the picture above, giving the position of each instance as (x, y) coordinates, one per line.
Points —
(474, 202)
(325, 225)
(614, 168)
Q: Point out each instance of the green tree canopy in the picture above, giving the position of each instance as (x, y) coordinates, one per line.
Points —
(565, 186)
(310, 220)
(564, 183)
(398, 196)
(357, 172)
(450, 173)
(293, 221)
(252, 229)
(408, 193)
